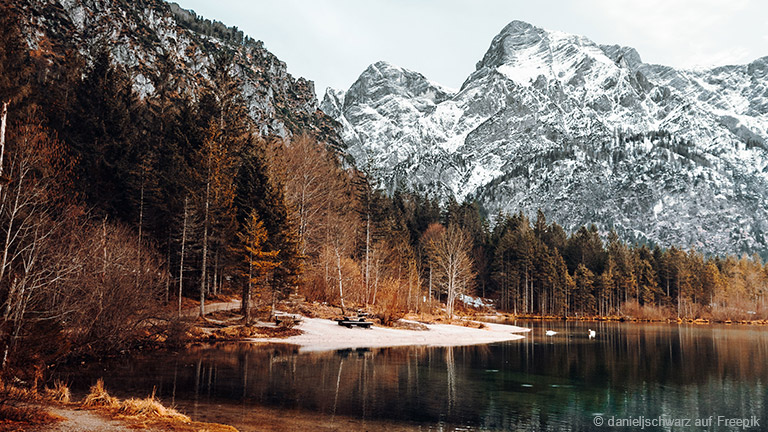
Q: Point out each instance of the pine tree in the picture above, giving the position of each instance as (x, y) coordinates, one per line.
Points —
(257, 190)
(259, 261)
(646, 278)
(583, 297)
(216, 195)
(15, 65)
(103, 134)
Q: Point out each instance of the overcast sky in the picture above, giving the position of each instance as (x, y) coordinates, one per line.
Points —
(332, 41)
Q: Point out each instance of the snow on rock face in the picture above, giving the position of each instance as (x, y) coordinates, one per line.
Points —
(587, 133)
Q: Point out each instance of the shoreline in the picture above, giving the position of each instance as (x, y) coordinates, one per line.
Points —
(701, 321)
(325, 335)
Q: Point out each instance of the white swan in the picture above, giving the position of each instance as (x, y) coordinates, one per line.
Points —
(550, 333)
(592, 334)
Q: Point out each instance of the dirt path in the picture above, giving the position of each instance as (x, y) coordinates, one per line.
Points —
(85, 420)
(212, 307)
(80, 420)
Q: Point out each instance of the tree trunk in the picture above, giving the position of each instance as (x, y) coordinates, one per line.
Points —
(205, 243)
(215, 284)
(430, 288)
(274, 299)
(168, 265)
(341, 285)
(2, 139)
(367, 256)
(183, 245)
(141, 224)
(246, 302)
(376, 284)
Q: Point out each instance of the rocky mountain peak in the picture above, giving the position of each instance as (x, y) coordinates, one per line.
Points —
(586, 133)
(523, 53)
(514, 37)
(626, 57)
(759, 68)
(383, 78)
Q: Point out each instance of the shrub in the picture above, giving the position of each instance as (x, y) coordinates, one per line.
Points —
(634, 310)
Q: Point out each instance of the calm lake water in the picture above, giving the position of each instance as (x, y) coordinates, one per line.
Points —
(640, 372)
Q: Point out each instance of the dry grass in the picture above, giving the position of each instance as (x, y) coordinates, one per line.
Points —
(633, 310)
(468, 323)
(24, 409)
(21, 418)
(236, 332)
(315, 310)
(457, 321)
(145, 413)
(246, 332)
(409, 325)
(59, 393)
(149, 407)
(10, 392)
(98, 397)
(152, 408)
(20, 409)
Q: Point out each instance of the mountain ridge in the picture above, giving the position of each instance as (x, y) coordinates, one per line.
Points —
(147, 36)
(547, 113)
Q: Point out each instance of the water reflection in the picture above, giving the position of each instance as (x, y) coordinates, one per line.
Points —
(538, 383)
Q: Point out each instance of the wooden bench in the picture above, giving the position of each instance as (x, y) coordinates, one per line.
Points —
(350, 322)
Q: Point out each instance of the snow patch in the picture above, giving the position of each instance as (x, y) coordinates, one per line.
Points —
(476, 302)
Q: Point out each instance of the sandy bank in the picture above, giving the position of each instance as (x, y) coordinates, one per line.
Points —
(327, 335)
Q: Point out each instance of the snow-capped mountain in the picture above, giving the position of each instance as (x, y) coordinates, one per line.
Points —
(586, 132)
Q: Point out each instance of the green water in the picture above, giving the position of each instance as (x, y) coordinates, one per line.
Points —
(644, 372)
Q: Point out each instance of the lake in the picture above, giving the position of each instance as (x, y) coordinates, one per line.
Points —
(640, 374)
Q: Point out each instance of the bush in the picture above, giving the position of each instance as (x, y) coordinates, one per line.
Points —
(177, 333)
(389, 309)
(633, 309)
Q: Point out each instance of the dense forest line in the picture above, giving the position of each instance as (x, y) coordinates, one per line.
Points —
(114, 208)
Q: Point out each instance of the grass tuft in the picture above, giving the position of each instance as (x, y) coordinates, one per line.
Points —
(151, 407)
(98, 397)
(59, 393)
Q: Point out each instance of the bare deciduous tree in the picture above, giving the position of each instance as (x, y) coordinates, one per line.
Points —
(452, 266)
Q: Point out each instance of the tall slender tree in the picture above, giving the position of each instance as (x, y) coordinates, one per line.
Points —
(259, 261)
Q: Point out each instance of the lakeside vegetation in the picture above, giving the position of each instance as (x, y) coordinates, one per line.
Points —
(24, 408)
(114, 209)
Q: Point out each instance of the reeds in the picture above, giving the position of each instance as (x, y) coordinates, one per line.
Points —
(59, 393)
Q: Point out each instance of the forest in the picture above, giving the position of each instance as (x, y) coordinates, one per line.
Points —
(116, 211)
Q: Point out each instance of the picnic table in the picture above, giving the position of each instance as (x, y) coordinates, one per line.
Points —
(349, 322)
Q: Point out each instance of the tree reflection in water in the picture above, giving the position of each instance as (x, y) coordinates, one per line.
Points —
(539, 383)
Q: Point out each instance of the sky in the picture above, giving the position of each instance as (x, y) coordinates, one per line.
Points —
(332, 41)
